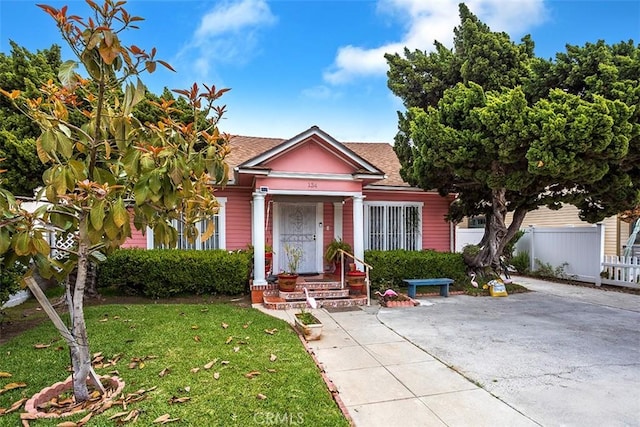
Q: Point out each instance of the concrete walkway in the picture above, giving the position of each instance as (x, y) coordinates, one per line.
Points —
(385, 380)
(560, 355)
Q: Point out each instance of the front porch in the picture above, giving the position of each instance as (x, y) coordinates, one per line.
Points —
(325, 288)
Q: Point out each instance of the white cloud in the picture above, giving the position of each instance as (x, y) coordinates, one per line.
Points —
(228, 33)
(427, 21)
(321, 92)
(234, 17)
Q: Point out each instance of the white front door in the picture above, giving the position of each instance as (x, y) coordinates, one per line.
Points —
(297, 226)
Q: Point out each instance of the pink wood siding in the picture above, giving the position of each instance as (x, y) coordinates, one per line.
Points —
(347, 221)
(310, 157)
(237, 216)
(137, 239)
(436, 232)
(308, 185)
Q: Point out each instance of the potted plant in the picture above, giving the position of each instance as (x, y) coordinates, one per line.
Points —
(287, 278)
(332, 254)
(308, 325)
(355, 280)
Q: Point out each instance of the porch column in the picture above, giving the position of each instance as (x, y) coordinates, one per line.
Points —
(257, 215)
(358, 229)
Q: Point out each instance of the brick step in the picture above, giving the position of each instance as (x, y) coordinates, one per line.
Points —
(273, 302)
(319, 294)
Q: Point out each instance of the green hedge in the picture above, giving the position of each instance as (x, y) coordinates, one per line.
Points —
(391, 267)
(161, 273)
(9, 281)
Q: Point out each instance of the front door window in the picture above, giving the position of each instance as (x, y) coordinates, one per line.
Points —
(298, 228)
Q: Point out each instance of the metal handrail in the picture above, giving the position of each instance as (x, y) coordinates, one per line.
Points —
(367, 267)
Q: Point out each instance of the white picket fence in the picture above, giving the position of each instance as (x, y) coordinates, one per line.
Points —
(578, 250)
(621, 271)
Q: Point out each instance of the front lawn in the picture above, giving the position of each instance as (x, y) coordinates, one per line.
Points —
(237, 366)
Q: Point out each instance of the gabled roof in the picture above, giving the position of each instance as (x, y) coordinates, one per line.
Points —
(370, 158)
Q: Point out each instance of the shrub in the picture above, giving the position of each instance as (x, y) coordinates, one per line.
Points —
(162, 273)
(9, 281)
(507, 252)
(521, 262)
(391, 267)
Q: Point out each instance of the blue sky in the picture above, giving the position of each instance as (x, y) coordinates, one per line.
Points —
(292, 64)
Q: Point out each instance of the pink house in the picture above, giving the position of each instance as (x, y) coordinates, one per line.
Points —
(310, 189)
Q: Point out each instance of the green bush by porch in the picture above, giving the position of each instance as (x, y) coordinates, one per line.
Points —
(390, 267)
(162, 273)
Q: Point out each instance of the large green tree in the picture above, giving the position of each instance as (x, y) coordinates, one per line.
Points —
(509, 132)
(166, 168)
(24, 71)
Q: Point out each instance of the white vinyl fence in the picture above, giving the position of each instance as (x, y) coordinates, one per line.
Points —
(468, 236)
(621, 271)
(578, 251)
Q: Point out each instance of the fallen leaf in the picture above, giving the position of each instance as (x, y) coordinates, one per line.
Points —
(261, 396)
(228, 340)
(194, 327)
(187, 389)
(272, 371)
(216, 375)
(210, 364)
(133, 415)
(225, 362)
(245, 326)
(103, 320)
(194, 370)
(271, 331)
(5, 375)
(67, 424)
(236, 349)
(164, 372)
(41, 346)
(85, 419)
(224, 325)
(161, 418)
(118, 415)
(179, 399)
(12, 386)
(273, 357)
(196, 338)
(16, 405)
(252, 374)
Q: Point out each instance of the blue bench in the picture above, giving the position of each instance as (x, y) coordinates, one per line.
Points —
(442, 282)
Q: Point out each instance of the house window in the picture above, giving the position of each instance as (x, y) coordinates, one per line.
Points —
(216, 241)
(393, 225)
(477, 221)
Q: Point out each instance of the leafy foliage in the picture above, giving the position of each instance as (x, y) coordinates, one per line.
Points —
(509, 132)
(97, 164)
(163, 273)
(9, 281)
(391, 267)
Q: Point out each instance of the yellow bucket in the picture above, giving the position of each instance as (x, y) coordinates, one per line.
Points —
(497, 288)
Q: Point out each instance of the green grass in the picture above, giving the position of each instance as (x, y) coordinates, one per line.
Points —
(295, 390)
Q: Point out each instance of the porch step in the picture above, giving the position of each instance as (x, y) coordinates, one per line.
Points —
(273, 302)
(317, 294)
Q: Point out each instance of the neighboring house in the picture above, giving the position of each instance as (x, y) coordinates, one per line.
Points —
(310, 189)
(616, 232)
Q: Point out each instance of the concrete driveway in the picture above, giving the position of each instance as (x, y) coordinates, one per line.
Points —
(562, 355)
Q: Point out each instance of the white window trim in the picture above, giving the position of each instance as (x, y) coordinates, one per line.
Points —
(367, 230)
(222, 227)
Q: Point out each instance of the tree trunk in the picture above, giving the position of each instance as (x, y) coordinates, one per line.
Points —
(495, 231)
(80, 359)
(496, 234)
